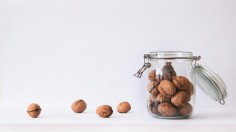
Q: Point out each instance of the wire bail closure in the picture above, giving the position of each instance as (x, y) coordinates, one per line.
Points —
(195, 59)
(145, 66)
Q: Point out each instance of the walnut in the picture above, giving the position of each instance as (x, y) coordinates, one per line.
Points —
(34, 110)
(180, 99)
(181, 83)
(191, 89)
(167, 88)
(153, 97)
(166, 109)
(155, 92)
(79, 106)
(152, 75)
(161, 98)
(185, 110)
(123, 107)
(152, 85)
(153, 107)
(104, 111)
(168, 72)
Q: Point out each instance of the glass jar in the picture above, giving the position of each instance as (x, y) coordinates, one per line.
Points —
(172, 80)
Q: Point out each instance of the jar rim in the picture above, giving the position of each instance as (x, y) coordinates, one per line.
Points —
(171, 55)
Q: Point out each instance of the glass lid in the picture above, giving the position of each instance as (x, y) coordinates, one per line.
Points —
(210, 83)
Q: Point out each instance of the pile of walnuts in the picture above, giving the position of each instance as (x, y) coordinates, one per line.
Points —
(169, 94)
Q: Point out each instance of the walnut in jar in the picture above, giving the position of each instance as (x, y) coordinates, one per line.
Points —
(167, 88)
(152, 97)
(152, 75)
(181, 83)
(168, 72)
(185, 110)
(180, 99)
(191, 89)
(155, 92)
(153, 107)
(166, 109)
(161, 98)
(151, 85)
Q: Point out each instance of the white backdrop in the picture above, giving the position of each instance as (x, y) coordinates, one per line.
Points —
(55, 51)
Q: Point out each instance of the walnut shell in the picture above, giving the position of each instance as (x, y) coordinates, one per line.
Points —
(167, 88)
(180, 99)
(166, 109)
(104, 111)
(153, 107)
(181, 83)
(168, 72)
(152, 75)
(161, 98)
(155, 92)
(79, 106)
(151, 85)
(153, 98)
(34, 110)
(123, 107)
(191, 89)
(185, 110)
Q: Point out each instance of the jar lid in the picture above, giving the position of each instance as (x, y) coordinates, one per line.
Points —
(210, 83)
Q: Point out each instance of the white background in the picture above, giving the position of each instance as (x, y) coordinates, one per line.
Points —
(56, 51)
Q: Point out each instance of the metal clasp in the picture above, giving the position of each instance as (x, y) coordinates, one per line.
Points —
(195, 59)
(145, 66)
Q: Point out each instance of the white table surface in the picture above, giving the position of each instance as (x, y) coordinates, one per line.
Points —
(63, 120)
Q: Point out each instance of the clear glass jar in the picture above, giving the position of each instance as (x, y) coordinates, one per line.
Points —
(172, 83)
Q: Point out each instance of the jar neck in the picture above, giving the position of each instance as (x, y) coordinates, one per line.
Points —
(171, 55)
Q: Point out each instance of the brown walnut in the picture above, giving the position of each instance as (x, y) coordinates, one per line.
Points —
(153, 107)
(155, 92)
(151, 85)
(185, 110)
(180, 99)
(104, 111)
(79, 106)
(191, 90)
(166, 109)
(167, 88)
(153, 98)
(168, 72)
(161, 98)
(34, 110)
(181, 83)
(152, 75)
(123, 107)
